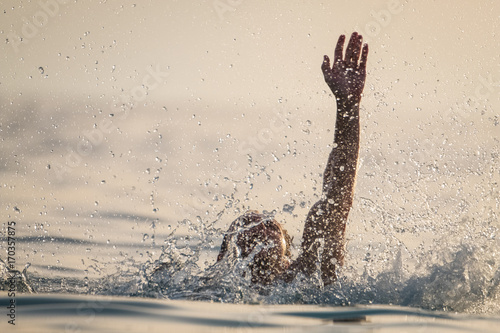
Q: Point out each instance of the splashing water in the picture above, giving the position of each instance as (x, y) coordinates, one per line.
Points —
(11, 279)
(457, 271)
(453, 274)
(466, 279)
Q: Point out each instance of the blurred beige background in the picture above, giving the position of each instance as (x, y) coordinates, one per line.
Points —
(119, 119)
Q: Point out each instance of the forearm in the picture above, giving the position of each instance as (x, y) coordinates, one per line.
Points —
(347, 121)
(339, 181)
(340, 171)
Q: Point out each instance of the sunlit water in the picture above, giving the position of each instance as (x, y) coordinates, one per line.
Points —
(109, 174)
(422, 234)
(465, 279)
(467, 282)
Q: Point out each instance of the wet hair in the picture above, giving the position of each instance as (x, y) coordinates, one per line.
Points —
(253, 232)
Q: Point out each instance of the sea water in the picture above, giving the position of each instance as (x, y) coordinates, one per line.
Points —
(73, 313)
(406, 270)
(422, 235)
(426, 256)
(459, 292)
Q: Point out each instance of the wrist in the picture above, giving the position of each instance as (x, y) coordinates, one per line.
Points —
(347, 103)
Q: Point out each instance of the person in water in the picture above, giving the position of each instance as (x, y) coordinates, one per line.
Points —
(323, 242)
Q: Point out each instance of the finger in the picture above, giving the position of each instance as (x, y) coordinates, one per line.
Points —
(364, 57)
(339, 49)
(325, 66)
(350, 47)
(356, 50)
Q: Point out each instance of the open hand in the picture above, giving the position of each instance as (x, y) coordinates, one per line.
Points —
(346, 78)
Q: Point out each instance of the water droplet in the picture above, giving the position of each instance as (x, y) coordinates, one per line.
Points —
(288, 208)
(41, 70)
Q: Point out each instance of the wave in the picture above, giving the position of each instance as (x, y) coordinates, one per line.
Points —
(464, 278)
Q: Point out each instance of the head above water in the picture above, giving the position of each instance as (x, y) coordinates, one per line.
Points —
(260, 236)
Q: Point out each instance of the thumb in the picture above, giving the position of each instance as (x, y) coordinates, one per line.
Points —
(325, 66)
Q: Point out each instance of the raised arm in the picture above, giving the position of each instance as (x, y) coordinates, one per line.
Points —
(324, 231)
(346, 80)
